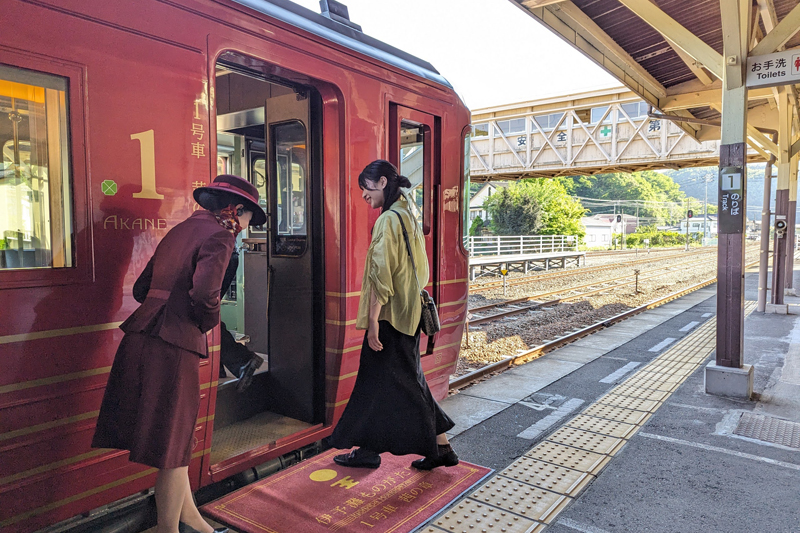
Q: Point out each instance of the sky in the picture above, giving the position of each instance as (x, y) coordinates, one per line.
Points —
(491, 51)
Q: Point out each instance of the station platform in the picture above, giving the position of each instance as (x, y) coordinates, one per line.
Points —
(524, 263)
(615, 433)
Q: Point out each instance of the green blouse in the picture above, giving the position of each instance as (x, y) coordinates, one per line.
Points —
(388, 271)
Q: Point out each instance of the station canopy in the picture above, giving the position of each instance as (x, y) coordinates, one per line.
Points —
(669, 52)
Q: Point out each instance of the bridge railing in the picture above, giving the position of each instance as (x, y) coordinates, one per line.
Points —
(520, 244)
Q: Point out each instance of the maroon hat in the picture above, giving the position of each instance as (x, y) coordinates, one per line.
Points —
(238, 187)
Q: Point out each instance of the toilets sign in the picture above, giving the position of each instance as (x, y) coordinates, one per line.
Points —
(780, 68)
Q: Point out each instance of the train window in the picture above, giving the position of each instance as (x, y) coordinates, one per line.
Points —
(465, 188)
(289, 142)
(412, 163)
(480, 130)
(35, 200)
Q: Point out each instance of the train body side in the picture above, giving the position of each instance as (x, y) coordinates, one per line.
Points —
(141, 96)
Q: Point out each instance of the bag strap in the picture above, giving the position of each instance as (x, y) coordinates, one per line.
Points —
(431, 339)
(408, 248)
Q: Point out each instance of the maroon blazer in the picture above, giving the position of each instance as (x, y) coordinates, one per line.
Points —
(179, 288)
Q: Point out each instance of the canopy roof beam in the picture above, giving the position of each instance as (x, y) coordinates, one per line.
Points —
(578, 29)
(780, 34)
(691, 44)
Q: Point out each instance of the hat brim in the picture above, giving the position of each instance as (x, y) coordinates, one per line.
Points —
(259, 216)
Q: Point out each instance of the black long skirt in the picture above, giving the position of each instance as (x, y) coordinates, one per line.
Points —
(391, 408)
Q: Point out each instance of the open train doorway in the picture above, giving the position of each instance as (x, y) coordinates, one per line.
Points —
(268, 131)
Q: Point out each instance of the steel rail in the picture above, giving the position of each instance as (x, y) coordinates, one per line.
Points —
(580, 270)
(538, 351)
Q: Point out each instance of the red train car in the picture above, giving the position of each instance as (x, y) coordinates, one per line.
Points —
(111, 112)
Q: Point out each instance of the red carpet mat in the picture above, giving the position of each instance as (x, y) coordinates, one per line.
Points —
(319, 496)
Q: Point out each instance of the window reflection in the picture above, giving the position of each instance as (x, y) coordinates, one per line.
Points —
(290, 155)
(412, 162)
(35, 212)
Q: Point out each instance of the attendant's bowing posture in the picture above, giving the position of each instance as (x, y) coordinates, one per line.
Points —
(153, 394)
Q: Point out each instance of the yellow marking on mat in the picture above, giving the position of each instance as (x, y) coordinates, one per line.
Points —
(66, 501)
(337, 404)
(50, 466)
(214, 349)
(586, 443)
(208, 418)
(48, 425)
(453, 324)
(35, 335)
(54, 379)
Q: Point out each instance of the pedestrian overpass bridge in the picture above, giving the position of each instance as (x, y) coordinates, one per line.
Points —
(610, 130)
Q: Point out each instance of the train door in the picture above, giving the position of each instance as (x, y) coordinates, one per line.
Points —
(413, 148)
(273, 130)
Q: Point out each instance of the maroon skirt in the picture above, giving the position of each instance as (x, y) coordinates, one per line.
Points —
(151, 402)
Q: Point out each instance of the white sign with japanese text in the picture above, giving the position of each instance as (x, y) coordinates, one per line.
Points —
(780, 68)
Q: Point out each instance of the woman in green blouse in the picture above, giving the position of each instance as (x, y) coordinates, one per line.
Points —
(391, 408)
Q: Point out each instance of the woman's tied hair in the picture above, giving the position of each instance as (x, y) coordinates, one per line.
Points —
(381, 168)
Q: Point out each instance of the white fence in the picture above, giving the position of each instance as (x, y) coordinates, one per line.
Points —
(520, 244)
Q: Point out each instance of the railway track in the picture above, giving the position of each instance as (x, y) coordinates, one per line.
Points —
(581, 270)
(538, 301)
(570, 336)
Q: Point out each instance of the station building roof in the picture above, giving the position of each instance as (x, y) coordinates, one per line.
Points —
(669, 52)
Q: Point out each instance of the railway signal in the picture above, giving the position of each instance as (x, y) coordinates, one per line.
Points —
(504, 272)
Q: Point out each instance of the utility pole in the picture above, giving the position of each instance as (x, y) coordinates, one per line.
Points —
(705, 211)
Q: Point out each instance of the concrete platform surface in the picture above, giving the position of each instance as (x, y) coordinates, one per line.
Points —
(686, 461)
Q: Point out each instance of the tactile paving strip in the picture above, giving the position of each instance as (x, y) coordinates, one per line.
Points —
(546, 475)
(471, 516)
(611, 428)
(620, 414)
(574, 458)
(646, 394)
(520, 498)
(638, 404)
(585, 440)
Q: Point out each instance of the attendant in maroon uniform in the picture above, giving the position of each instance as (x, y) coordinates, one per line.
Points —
(153, 393)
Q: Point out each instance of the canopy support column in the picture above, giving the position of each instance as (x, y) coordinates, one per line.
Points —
(782, 196)
(727, 375)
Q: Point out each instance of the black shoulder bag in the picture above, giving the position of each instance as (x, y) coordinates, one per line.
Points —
(430, 316)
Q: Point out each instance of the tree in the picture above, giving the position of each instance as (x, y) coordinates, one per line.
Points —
(476, 227)
(535, 206)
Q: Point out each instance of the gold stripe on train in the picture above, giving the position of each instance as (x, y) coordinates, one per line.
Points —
(66, 501)
(67, 377)
(449, 281)
(48, 425)
(458, 302)
(51, 466)
(340, 378)
(342, 294)
(35, 335)
(339, 322)
(54, 379)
